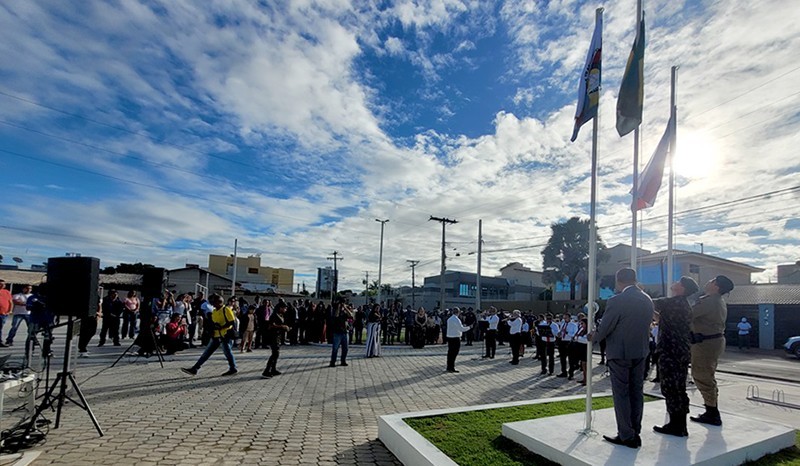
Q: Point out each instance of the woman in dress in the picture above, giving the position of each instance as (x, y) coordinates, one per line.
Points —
(418, 334)
(374, 332)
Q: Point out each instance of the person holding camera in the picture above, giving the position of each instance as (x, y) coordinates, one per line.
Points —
(176, 333)
(223, 320)
(276, 328)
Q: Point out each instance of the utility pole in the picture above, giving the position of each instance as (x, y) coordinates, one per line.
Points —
(413, 291)
(444, 222)
(380, 260)
(479, 292)
(235, 264)
(335, 286)
(366, 288)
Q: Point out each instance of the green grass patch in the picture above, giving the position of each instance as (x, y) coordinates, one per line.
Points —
(475, 438)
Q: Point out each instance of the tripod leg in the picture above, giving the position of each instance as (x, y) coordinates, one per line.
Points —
(47, 401)
(123, 353)
(85, 406)
(158, 350)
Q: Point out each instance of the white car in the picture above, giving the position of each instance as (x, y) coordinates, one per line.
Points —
(792, 346)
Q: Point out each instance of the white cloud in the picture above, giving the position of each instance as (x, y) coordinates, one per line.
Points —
(279, 89)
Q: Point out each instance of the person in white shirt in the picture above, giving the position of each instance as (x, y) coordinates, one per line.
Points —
(743, 326)
(20, 312)
(454, 330)
(491, 332)
(567, 329)
(547, 332)
(515, 335)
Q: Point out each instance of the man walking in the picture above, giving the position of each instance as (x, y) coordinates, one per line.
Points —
(222, 320)
(454, 330)
(626, 329)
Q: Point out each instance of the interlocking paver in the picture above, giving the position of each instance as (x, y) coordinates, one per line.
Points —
(312, 414)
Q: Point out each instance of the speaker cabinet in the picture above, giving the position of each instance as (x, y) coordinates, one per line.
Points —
(72, 286)
(153, 281)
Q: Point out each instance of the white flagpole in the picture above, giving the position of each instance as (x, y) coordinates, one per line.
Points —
(634, 210)
(592, 250)
(673, 113)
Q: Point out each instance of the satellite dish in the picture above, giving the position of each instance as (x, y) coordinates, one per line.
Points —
(17, 260)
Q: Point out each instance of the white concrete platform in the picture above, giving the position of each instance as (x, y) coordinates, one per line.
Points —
(739, 440)
(412, 449)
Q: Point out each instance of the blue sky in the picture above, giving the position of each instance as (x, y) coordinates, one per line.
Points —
(160, 131)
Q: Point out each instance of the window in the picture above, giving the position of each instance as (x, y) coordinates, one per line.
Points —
(252, 270)
(463, 289)
(694, 268)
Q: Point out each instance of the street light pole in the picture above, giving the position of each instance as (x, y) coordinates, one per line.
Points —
(380, 260)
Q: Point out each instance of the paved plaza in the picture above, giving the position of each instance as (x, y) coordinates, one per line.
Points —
(312, 414)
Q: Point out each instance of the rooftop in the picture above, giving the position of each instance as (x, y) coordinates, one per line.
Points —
(677, 253)
(764, 294)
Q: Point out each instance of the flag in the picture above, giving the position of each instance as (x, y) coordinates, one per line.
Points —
(653, 173)
(631, 91)
(589, 87)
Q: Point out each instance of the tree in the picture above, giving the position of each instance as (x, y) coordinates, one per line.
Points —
(566, 255)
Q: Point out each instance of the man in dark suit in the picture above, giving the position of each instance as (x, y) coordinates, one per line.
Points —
(626, 329)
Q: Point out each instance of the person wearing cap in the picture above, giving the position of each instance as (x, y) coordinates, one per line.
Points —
(708, 344)
(673, 348)
(744, 328)
(492, 322)
(454, 330)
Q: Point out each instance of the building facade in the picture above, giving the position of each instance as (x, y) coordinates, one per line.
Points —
(789, 274)
(250, 271)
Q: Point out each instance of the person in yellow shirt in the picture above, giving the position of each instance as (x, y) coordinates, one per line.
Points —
(222, 320)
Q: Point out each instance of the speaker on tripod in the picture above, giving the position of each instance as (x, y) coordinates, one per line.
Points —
(72, 287)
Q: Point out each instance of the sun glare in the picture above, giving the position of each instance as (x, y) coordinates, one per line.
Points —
(696, 155)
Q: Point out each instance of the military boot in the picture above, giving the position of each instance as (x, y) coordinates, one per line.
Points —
(710, 417)
(676, 426)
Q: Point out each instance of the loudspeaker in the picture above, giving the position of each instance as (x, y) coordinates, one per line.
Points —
(72, 286)
(153, 282)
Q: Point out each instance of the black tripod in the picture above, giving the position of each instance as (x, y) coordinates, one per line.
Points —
(60, 382)
(138, 341)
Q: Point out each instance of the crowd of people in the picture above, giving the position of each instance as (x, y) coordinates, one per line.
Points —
(634, 332)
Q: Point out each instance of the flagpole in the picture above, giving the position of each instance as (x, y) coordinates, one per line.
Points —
(673, 112)
(634, 207)
(592, 249)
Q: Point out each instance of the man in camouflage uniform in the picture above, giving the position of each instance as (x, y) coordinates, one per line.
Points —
(674, 354)
(708, 344)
